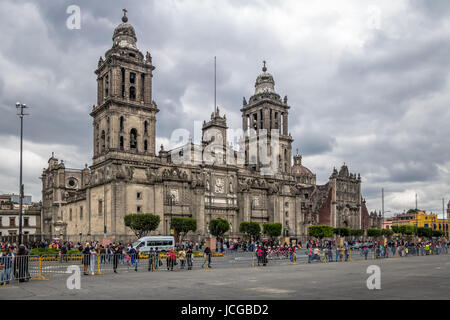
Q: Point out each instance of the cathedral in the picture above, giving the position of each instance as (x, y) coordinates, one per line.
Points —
(128, 175)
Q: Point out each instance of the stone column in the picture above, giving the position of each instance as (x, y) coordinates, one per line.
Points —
(285, 123)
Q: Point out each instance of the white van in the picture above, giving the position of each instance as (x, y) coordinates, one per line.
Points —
(163, 243)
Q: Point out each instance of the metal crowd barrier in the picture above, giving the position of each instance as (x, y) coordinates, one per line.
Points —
(24, 268)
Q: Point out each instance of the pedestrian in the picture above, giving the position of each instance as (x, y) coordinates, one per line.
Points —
(207, 255)
(171, 260)
(21, 264)
(309, 252)
(182, 257)
(190, 258)
(6, 262)
(86, 258)
(116, 256)
(93, 257)
(137, 258)
(157, 260)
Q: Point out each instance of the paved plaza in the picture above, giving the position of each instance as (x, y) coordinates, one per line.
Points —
(401, 278)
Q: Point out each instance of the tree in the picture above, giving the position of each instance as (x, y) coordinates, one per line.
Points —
(412, 211)
(250, 229)
(142, 223)
(424, 232)
(374, 232)
(356, 232)
(321, 231)
(396, 229)
(387, 232)
(272, 230)
(183, 225)
(437, 233)
(407, 230)
(343, 231)
(218, 227)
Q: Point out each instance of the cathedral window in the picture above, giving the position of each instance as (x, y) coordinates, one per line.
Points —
(121, 123)
(132, 77)
(100, 207)
(142, 86)
(121, 142)
(139, 209)
(123, 82)
(132, 93)
(261, 117)
(133, 139)
(103, 140)
(145, 145)
(106, 86)
(81, 213)
(139, 195)
(145, 127)
(70, 215)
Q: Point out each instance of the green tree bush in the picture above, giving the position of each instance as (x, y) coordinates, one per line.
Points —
(250, 229)
(272, 230)
(342, 231)
(321, 231)
(182, 226)
(374, 232)
(141, 223)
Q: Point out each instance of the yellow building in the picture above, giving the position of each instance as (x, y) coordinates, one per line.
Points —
(422, 219)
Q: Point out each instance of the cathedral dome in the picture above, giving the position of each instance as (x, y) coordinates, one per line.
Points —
(124, 34)
(301, 173)
(264, 82)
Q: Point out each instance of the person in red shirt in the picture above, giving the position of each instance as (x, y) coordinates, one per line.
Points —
(171, 260)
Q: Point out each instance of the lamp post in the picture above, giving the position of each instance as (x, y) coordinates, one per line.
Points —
(21, 115)
(170, 202)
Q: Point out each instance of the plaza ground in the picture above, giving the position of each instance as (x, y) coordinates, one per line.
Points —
(401, 278)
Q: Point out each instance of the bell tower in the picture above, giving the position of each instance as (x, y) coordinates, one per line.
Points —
(124, 118)
(266, 110)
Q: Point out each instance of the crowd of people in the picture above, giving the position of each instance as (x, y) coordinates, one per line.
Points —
(14, 262)
(14, 259)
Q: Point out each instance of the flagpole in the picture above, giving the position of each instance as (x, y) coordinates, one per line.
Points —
(215, 87)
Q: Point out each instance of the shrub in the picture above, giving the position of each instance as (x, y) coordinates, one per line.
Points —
(272, 230)
(321, 231)
(374, 232)
(141, 223)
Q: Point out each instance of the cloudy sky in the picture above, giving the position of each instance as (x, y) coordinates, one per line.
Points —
(367, 82)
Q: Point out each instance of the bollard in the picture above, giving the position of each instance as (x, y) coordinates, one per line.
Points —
(351, 259)
(98, 266)
(153, 263)
(207, 262)
(253, 259)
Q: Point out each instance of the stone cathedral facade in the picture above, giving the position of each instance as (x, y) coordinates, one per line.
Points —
(128, 175)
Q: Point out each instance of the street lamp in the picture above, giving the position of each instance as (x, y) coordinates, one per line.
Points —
(21, 115)
(170, 202)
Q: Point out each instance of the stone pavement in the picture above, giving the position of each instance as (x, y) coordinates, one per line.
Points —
(411, 278)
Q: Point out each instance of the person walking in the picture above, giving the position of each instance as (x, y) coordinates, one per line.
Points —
(182, 257)
(189, 258)
(93, 256)
(116, 257)
(86, 254)
(21, 264)
(309, 252)
(171, 260)
(207, 254)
